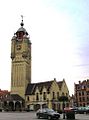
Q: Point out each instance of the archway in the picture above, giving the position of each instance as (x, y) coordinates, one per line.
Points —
(44, 106)
(5, 105)
(17, 106)
(11, 106)
(37, 106)
(53, 106)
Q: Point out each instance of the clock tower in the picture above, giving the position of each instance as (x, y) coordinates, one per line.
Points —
(21, 61)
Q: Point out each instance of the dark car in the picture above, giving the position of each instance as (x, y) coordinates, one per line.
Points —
(47, 114)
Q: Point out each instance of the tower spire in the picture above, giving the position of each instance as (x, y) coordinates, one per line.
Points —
(22, 24)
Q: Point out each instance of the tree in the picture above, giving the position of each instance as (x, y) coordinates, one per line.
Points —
(63, 99)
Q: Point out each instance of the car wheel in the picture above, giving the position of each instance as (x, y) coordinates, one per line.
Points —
(38, 116)
(49, 117)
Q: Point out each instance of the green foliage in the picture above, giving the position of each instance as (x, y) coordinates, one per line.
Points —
(63, 99)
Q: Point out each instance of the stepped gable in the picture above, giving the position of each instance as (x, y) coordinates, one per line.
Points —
(60, 84)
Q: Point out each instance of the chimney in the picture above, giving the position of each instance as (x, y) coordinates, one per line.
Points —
(79, 82)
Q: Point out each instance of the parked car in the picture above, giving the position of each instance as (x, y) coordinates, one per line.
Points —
(47, 114)
(82, 110)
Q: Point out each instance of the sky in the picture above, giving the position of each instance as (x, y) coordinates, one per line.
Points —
(59, 32)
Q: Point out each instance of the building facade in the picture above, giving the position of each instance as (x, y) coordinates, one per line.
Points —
(46, 94)
(35, 94)
(24, 94)
(3, 96)
(82, 93)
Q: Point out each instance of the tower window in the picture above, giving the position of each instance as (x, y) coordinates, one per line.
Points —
(20, 35)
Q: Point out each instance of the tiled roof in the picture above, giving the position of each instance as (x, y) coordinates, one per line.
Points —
(32, 87)
(16, 97)
(11, 97)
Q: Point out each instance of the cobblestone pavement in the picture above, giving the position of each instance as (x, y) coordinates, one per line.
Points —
(32, 116)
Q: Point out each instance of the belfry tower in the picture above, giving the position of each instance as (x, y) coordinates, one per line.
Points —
(21, 61)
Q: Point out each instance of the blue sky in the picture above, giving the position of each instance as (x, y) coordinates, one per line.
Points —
(58, 31)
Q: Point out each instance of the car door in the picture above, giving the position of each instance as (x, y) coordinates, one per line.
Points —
(45, 114)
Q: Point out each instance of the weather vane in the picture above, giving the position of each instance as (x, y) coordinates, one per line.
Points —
(22, 24)
(22, 17)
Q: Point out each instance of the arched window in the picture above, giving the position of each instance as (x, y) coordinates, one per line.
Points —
(53, 95)
(44, 95)
(37, 96)
(27, 98)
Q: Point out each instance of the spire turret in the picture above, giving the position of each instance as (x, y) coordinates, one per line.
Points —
(21, 31)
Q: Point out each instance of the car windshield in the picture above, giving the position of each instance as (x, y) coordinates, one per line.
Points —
(49, 110)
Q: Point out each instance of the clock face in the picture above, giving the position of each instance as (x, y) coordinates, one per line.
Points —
(18, 47)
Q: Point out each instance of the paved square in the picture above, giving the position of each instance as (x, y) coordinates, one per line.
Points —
(32, 116)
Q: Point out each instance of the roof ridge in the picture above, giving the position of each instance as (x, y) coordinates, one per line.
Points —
(44, 82)
(33, 88)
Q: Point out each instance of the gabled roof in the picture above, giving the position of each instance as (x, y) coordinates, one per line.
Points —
(32, 87)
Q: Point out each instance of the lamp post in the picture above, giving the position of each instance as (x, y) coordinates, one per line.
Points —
(63, 99)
